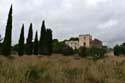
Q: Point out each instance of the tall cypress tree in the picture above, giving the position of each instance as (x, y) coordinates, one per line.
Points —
(21, 42)
(36, 44)
(29, 45)
(6, 48)
(42, 43)
(49, 41)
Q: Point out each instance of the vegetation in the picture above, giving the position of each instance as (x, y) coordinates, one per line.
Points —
(6, 46)
(61, 69)
(92, 52)
(36, 43)
(57, 46)
(96, 52)
(66, 50)
(29, 44)
(21, 42)
(45, 44)
(56, 68)
(49, 41)
(82, 51)
(119, 49)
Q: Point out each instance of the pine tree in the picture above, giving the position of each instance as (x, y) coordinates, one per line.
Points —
(36, 44)
(0, 44)
(21, 42)
(42, 43)
(29, 45)
(6, 48)
(49, 41)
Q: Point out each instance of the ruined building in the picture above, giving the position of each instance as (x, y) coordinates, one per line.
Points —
(83, 40)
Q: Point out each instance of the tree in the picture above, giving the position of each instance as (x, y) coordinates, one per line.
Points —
(42, 43)
(21, 42)
(36, 44)
(0, 44)
(49, 41)
(6, 47)
(0, 39)
(119, 49)
(57, 46)
(29, 46)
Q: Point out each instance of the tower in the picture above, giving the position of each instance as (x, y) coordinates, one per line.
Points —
(85, 40)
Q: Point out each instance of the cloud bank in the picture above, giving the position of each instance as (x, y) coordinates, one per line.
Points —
(104, 19)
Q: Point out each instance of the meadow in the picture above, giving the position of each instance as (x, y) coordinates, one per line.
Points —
(61, 69)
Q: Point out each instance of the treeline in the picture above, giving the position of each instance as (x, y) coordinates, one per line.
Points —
(92, 52)
(32, 46)
(45, 45)
(119, 49)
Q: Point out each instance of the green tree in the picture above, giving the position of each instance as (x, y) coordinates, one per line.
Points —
(0, 44)
(42, 43)
(6, 47)
(35, 50)
(57, 46)
(49, 41)
(29, 45)
(0, 41)
(21, 42)
(119, 49)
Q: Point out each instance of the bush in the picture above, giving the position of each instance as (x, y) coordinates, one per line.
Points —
(92, 52)
(95, 52)
(66, 50)
(119, 50)
(82, 51)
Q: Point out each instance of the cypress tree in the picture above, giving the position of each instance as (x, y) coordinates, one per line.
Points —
(6, 48)
(21, 42)
(42, 43)
(29, 46)
(36, 44)
(49, 41)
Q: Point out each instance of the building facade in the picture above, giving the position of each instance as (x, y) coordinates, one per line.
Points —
(83, 41)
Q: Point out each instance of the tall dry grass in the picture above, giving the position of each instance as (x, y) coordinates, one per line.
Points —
(61, 69)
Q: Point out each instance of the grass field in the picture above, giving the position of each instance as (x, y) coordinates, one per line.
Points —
(61, 69)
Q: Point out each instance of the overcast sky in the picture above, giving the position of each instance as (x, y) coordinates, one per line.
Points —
(104, 19)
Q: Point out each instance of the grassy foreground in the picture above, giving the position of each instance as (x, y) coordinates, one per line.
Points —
(61, 69)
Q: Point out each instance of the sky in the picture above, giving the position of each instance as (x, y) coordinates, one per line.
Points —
(103, 19)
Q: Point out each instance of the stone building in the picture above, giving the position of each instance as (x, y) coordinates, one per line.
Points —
(83, 41)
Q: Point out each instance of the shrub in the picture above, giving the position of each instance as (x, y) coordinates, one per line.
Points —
(82, 51)
(95, 52)
(66, 50)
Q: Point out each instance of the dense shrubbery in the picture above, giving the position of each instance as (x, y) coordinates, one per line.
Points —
(61, 48)
(82, 51)
(66, 50)
(96, 52)
(92, 52)
(119, 49)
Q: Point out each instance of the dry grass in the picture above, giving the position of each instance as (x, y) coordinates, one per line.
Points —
(61, 69)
